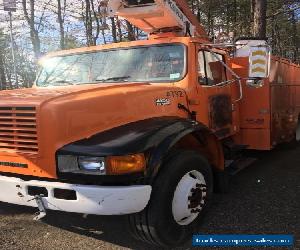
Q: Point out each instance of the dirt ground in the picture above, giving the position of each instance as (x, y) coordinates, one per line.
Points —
(263, 199)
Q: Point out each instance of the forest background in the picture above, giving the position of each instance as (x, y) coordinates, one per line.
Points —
(43, 26)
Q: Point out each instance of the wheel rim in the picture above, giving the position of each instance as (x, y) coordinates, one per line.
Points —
(189, 197)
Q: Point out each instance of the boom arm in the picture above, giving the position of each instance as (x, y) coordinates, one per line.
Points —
(153, 16)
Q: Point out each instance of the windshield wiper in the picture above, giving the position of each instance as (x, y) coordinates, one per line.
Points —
(115, 78)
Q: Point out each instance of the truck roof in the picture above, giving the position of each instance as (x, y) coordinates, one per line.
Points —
(153, 41)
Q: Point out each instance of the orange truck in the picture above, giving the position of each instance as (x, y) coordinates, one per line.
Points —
(144, 128)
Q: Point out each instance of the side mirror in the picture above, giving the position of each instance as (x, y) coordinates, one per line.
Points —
(259, 61)
(259, 64)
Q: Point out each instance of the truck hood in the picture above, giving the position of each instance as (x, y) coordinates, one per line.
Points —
(37, 95)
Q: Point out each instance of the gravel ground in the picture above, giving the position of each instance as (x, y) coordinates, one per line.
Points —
(264, 199)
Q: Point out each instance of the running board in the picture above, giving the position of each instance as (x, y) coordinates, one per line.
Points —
(233, 167)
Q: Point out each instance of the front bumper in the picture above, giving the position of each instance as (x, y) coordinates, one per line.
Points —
(98, 200)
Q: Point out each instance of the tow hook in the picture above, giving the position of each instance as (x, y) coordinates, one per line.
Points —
(42, 209)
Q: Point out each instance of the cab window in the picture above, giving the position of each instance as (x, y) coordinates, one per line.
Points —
(211, 71)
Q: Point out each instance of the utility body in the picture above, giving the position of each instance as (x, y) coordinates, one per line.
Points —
(144, 128)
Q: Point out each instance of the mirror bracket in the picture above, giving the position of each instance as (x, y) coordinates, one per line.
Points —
(255, 82)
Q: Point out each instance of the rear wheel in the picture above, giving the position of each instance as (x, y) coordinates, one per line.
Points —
(295, 140)
(297, 134)
(180, 196)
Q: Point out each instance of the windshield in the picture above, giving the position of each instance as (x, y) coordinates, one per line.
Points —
(140, 64)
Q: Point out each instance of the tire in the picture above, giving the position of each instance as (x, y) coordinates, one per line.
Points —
(157, 224)
(295, 141)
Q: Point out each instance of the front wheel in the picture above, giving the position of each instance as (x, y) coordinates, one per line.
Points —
(180, 196)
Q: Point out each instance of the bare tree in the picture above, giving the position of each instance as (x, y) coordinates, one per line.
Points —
(2, 72)
(88, 23)
(34, 34)
(60, 19)
(97, 22)
(295, 35)
(210, 19)
(131, 36)
(119, 29)
(114, 29)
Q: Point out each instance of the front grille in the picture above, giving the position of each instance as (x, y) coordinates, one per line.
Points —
(18, 131)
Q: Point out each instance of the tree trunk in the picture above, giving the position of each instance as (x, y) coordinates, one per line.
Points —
(114, 29)
(119, 29)
(235, 24)
(34, 35)
(97, 22)
(295, 36)
(209, 20)
(260, 21)
(103, 23)
(228, 15)
(278, 39)
(273, 36)
(131, 36)
(61, 24)
(2, 72)
(88, 24)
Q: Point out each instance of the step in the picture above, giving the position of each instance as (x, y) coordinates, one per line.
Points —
(234, 167)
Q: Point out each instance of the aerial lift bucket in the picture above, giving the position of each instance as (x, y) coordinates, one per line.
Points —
(154, 16)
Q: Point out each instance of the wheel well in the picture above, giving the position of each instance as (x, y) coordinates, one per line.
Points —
(206, 144)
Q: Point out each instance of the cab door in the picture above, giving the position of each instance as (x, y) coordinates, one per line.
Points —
(215, 90)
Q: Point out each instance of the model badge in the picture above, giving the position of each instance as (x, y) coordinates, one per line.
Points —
(162, 102)
(13, 164)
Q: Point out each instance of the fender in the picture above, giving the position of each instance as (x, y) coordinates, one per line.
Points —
(154, 137)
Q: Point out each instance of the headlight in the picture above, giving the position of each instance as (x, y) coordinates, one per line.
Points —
(96, 164)
(81, 164)
(111, 165)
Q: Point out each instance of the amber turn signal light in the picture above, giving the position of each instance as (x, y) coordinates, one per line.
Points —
(117, 165)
